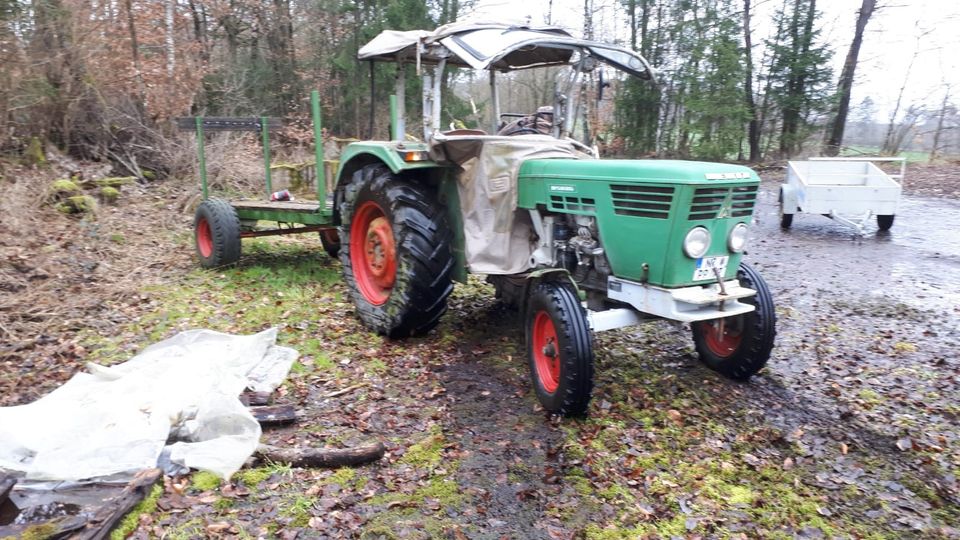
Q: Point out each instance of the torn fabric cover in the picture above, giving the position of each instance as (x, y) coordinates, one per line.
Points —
(499, 238)
(114, 421)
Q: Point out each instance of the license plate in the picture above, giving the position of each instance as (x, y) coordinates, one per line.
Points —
(706, 265)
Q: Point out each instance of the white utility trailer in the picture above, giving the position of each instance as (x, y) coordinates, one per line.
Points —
(847, 189)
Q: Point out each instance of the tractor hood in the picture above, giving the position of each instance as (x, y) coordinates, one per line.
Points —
(498, 46)
(644, 208)
(639, 171)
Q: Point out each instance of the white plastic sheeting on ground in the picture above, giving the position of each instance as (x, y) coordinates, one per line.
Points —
(116, 420)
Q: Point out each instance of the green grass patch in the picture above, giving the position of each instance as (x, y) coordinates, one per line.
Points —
(130, 521)
(297, 508)
(428, 452)
(204, 481)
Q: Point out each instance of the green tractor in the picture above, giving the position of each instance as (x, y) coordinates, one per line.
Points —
(577, 243)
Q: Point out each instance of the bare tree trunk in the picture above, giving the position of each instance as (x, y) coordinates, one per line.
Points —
(171, 51)
(135, 53)
(939, 130)
(356, 74)
(889, 139)
(835, 133)
(588, 19)
(200, 28)
(753, 131)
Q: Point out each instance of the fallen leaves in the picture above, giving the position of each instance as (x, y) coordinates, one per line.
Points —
(904, 444)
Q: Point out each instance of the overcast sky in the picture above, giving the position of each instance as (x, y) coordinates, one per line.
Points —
(888, 47)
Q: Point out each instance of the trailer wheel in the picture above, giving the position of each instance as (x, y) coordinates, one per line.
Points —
(216, 232)
(739, 346)
(396, 256)
(559, 349)
(330, 239)
(885, 222)
(786, 220)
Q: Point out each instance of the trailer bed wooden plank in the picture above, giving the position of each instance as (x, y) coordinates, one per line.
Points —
(289, 206)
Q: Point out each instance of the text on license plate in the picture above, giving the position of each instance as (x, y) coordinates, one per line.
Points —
(706, 265)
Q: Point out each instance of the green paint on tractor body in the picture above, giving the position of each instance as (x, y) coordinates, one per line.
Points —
(390, 153)
(645, 208)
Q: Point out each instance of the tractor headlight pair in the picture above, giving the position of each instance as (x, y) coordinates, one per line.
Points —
(697, 241)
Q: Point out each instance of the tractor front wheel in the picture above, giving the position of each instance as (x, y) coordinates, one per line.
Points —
(739, 346)
(559, 349)
(216, 233)
(396, 254)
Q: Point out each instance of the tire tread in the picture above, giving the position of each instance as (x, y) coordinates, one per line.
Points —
(425, 260)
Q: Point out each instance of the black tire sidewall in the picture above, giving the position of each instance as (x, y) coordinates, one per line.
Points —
(786, 220)
(417, 298)
(574, 345)
(224, 232)
(885, 222)
(759, 332)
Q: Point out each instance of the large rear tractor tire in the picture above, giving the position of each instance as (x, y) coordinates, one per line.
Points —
(216, 233)
(739, 346)
(396, 255)
(559, 349)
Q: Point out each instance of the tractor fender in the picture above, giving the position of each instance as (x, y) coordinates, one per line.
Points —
(788, 199)
(545, 274)
(361, 154)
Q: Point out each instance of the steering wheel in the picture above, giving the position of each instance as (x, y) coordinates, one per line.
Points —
(523, 131)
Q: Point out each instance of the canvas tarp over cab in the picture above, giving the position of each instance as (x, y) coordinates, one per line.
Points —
(499, 238)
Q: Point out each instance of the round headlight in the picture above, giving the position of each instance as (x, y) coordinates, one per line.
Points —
(738, 238)
(696, 243)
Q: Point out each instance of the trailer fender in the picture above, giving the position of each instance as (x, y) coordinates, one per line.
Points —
(788, 199)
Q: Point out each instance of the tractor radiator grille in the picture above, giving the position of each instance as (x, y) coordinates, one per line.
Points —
(572, 204)
(642, 201)
(707, 202)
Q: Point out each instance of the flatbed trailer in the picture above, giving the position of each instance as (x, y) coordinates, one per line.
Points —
(236, 219)
(848, 190)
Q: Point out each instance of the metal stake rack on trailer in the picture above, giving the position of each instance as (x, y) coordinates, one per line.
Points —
(220, 224)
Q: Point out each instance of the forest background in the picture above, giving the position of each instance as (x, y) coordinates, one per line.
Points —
(104, 79)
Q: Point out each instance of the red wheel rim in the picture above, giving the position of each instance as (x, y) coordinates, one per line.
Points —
(546, 352)
(204, 238)
(723, 336)
(373, 253)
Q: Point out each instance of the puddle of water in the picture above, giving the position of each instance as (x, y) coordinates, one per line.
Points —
(941, 291)
(46, 512)
(917, 262)
(930, 225)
